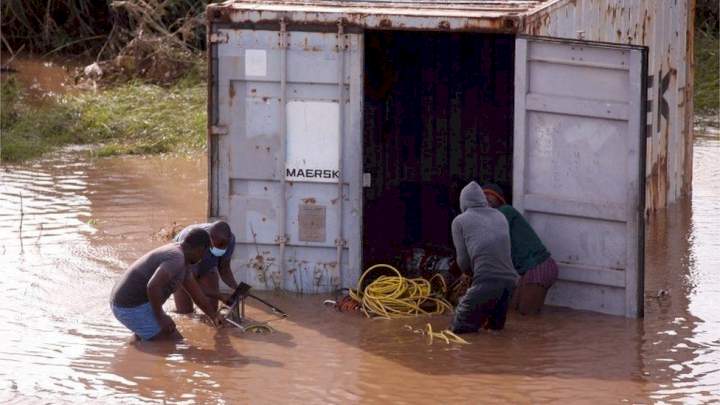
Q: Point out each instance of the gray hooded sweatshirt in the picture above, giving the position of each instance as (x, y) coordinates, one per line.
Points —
(482, 238)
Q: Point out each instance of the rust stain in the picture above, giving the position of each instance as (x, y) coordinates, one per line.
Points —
(231, 91)
(687, 176)
(629, 22)
(492, 24)
(309, 201)
(538, 24)
(507, 21)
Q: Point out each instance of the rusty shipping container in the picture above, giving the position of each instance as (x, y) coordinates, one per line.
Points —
(341, 131)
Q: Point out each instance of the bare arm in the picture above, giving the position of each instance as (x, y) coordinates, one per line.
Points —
(198, 296)
(155, 288)
(226, 274)
(461, 253)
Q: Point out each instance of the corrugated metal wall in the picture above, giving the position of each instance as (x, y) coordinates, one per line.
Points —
(662, 26)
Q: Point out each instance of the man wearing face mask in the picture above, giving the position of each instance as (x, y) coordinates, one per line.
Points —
(215, 265)
(138, 296)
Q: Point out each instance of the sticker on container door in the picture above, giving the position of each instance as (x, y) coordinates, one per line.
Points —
(255, 62)
(312, 141)
(311, 220)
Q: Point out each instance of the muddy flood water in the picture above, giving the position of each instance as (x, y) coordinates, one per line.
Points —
(70, 225)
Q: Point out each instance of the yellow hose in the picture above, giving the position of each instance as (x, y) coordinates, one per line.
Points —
(445, 335)
(395, 296)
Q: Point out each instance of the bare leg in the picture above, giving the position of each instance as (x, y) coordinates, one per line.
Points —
(210, 284)
(515, 301)
(531, 299)
(183, 302)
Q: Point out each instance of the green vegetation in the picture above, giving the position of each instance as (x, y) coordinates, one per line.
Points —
(130, 118)
(150, 52)
(146, 47)
(31, 129)
(139, 118)
(707, 68)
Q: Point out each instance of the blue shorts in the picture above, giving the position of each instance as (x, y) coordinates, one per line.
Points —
(140, 320)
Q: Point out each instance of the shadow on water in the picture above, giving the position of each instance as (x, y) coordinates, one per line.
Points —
(84, 221)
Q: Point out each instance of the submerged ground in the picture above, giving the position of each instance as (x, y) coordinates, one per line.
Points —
(69, 225)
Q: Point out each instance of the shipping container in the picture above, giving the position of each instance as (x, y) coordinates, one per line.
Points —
(341, 131)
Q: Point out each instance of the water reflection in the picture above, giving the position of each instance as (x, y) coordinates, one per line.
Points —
(83, 221)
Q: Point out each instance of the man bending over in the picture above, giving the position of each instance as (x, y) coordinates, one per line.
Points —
(215, 264)
(482, 243)
(138, 297)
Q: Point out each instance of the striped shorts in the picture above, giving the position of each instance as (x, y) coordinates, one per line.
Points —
(545, 274)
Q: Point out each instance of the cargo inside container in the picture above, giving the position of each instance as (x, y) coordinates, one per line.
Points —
(438, 112)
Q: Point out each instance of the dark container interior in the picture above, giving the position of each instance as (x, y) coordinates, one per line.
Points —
(438, 112)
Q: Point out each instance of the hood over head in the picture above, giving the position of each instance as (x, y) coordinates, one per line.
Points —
(472, 196)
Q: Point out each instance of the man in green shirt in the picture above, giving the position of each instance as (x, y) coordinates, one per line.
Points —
(531, 259)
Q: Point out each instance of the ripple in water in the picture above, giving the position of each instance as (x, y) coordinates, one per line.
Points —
(85, 221)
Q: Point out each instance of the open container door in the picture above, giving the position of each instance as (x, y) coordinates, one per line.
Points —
(578, 173)
(287, 126)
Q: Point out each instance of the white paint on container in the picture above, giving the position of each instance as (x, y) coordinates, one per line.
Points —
(312, 142)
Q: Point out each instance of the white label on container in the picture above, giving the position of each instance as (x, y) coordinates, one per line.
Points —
(312, 141)
(311, 223)
(255, 62)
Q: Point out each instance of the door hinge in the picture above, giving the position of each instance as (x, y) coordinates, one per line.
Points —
(218, 130)
(219, 38)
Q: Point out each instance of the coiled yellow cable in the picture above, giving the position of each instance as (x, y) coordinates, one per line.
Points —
(395, 296)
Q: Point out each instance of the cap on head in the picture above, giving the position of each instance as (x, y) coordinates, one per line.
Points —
(493, 190)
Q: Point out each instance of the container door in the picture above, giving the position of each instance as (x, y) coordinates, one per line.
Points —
(578, 173)
(286, 133)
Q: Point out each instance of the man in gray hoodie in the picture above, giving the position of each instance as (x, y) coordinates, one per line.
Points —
(482, 241)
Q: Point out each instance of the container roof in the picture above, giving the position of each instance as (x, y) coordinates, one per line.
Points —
(496, 15)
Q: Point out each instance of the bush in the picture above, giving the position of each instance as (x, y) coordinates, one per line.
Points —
(707, 60)
(29, 129)
(132, 118)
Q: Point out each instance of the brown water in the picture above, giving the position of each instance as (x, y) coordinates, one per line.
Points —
(42, 77)
(84, 221)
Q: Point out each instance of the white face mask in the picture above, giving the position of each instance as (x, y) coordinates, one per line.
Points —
(217, 252)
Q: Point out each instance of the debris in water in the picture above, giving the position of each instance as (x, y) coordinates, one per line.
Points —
(93, 71)
(446, 335)
(165, 234)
